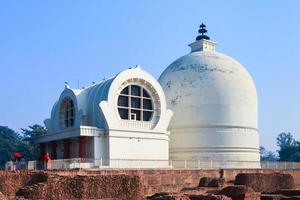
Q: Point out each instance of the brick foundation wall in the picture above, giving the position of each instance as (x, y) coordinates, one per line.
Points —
(151, 181)
(230, 174)
(173, 180)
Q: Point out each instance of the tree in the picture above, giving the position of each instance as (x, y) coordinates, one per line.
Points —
(289, 147)
(8, 144)
(267, 155)
(285, 140)
(27, 146)
(11, 142)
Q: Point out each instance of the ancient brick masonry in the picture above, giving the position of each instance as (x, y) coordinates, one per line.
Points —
(11, 182)
(86, 187)
(224, 189)
(2, 197)
(230, 174)
(183, 196)
(265, 182)
(134, 184)
(211, 189)
(240, 192)
(212, 182)
(69, 185)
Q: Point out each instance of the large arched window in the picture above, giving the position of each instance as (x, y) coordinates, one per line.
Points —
(135, 103)
(67, 113)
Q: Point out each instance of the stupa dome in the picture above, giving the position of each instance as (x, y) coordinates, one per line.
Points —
(214, 101)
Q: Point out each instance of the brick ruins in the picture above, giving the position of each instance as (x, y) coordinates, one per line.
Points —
(160, 184)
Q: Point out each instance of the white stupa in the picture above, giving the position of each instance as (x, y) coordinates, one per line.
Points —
(214, 101)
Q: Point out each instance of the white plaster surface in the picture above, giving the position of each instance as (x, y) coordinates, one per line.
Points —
(214, 101)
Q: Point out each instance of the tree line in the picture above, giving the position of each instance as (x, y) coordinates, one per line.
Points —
(289, 149)
(23, 142)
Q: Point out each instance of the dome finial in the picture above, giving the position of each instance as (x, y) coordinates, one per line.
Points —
(202, 30)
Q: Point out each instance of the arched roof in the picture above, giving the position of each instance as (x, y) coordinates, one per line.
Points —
(89, 111)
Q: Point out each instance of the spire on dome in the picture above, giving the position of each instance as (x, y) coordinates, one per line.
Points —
(67, 85)
(202, 30)
(203, 42)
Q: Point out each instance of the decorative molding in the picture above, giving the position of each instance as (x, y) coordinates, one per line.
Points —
(69, 133)
(173, 128)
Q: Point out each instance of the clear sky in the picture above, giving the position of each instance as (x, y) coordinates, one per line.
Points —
(45, 43)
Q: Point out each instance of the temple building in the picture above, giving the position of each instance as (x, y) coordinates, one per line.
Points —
(203, 107)
(123, 118)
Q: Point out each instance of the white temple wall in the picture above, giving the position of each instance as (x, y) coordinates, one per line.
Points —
(101, 147)
(127, 147)
(228, 155)
(215, 143)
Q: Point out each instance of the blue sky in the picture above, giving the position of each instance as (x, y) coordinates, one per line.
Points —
(45, 43)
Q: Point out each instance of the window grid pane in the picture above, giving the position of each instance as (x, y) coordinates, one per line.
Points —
(125, 90)
(135, 90)
(123, 113)
(135, 103)
(145, 93)
(123, 101)
(137, 114)
(147, 115)
(147, 104)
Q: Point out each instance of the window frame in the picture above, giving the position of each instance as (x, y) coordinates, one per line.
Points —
(67, 113)
(131, 109)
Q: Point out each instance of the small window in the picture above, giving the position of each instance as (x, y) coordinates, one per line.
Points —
(133, 116)
(137, 114)
(67, 113)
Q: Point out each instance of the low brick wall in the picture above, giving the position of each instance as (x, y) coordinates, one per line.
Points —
(86, 187)
(230, 174)
(265, 183)
(173, 180)
(157, 180)
(73, 184)
(148, 181)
